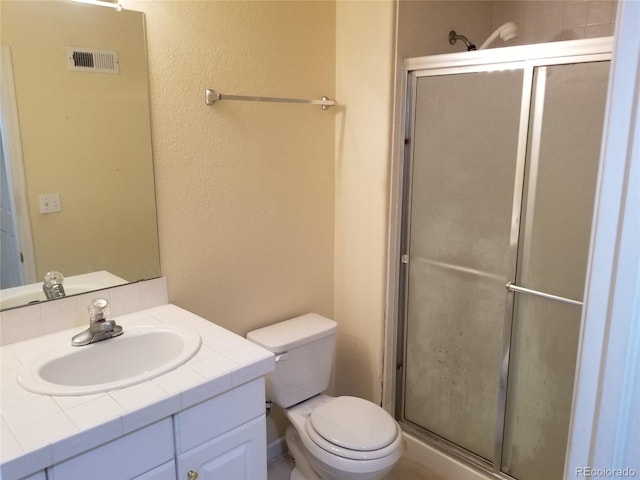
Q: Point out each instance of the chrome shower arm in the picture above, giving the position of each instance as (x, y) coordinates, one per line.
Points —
(454, 37)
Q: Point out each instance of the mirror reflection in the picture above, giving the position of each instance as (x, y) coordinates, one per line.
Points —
(77, 174)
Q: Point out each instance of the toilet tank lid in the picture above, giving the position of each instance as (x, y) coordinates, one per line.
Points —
(289, 334)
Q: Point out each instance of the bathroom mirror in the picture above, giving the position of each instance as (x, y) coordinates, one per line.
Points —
(76, 146)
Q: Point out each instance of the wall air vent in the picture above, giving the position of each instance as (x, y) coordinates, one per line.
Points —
(91, 60)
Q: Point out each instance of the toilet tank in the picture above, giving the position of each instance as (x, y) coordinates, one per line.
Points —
(304, 347)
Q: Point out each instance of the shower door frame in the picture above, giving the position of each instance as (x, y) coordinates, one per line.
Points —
(527, 58)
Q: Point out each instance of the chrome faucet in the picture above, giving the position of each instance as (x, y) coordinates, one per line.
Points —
(100, 328)
(52, 285)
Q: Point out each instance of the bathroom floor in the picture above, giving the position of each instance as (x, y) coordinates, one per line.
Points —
(406, 469)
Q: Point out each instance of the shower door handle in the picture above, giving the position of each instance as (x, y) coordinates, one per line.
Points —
(514, 288)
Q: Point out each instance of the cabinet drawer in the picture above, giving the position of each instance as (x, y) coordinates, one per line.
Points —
(219, 415)
(237, 455)
(124, 458)
(163, 472)
(36, 476)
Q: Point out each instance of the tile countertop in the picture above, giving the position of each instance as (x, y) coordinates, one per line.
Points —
(37, 431)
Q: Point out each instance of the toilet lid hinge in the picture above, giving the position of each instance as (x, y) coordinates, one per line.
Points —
(280, 357)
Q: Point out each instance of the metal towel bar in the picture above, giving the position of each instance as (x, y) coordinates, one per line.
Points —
(211, 97)
(514, 288)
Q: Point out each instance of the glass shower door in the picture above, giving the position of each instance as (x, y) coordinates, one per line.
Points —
(459, 252)
(561, 170)
(499, 186)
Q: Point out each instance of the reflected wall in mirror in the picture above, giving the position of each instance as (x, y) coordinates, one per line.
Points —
(83, 135)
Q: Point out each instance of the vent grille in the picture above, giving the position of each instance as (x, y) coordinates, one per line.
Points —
(91, 60)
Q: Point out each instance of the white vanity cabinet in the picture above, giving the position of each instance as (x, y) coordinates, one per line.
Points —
(221, 438)
(230, 446)
(206, 417)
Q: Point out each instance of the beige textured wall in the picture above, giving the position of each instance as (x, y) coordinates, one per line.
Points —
(85, 136)
(244, 190)
(364, 83)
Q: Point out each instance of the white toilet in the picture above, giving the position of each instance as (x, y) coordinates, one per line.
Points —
(330, 437)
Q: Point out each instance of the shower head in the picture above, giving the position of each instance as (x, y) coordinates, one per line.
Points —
(506, 32)
(454, 37)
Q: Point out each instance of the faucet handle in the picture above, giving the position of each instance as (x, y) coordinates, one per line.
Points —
(52, 286)
(98, 309)
(53, 278)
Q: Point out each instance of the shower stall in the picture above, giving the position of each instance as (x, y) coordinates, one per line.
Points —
(501, 152)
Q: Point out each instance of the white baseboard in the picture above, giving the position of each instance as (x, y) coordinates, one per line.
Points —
(276, 449)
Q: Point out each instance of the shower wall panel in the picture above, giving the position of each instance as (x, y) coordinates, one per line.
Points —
(542, 21)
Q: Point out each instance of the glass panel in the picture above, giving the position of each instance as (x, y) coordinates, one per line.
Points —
(463, 170)
(562, 167)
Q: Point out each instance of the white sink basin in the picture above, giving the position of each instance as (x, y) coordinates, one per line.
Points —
(139, 354)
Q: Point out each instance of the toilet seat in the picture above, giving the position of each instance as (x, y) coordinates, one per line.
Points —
(353, 428)
(328, 457)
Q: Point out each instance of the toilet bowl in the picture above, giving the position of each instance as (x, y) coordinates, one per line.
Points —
(344, 438)
(341, 438)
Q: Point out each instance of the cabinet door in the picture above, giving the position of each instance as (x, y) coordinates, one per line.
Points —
(237, 455)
